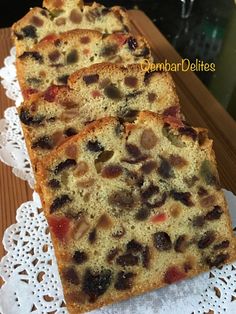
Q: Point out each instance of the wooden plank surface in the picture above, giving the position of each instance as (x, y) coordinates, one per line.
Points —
(199, 107)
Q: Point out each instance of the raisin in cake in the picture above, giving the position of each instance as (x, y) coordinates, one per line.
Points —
(101, 90)
(55, 58)
(63, 15)
(133, 208)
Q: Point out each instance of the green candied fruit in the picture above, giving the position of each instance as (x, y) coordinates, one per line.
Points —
(208, 173)
(174, 139)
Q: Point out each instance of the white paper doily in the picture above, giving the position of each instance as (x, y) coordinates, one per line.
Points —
(32, 283)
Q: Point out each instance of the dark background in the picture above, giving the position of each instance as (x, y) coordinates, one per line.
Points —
(209, 34)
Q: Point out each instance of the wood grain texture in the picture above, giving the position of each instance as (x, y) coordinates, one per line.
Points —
(13, 191)
(199, 107)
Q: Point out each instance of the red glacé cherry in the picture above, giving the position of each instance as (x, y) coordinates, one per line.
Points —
(173, 274)
(59, 226)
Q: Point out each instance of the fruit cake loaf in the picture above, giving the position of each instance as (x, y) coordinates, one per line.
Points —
(132, 208)
(51, 117)
(55, 58)
(66, 15)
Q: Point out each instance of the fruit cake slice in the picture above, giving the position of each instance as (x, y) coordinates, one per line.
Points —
(64, 15)
(106, 89)
(56, 57)
(132, 208)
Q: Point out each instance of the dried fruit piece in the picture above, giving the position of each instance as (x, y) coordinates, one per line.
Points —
(142, 214)
(64, 165)
(134, 246)
(44, 142)
(81, 169)
(132, 43)
(94, 146)
(122, 199)
(27, 119)
(102, 158)
(70, 275)
(181, 244)
(215, 213)
(131, 81)
(133, 150)
(206, 240)
(222, 245)
(208, 173)
(111, 171)
(151, 97)
(112, 92)
(91, 79)
(104, 221)
(75, 16)
(59, 226)
(70, 132)
(112, 254)
(198, 221)
(59, 202)
(72, 57)
(51, 93)
(63, 79)
(208, 201)
(127, 260)
(218, 260)
(159, 218)
(81, 228)
(96, 283)
(202, 191)
(146, 257)
(54, 184)
(37, 21)
(183, 197)
(80, 257)
(148, 139)
(149, 166)
(71, 152)
(188, 131)
(174, 139)
(92, 236)
(157, 203)
(32, 54)
(29, 31)
(162, 241)
(177, 161)
(149, 191)
(54, 55)
(173, 274)
(124, 280)
(165, 169)
(109, 50)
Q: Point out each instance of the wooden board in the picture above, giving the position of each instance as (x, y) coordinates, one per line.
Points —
(199, 107)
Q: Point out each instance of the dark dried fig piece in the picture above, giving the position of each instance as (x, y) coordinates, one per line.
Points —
(181, 244)
(146, 257)
(127, 260)
(54, 184)
(165, 169)
(222, 245)
(80, 257)
(206, 240)
(183, 197)
(202, 191)
(162, 241)
(27, 119)
(218, 260)
(72, 57)
(92, 236)
(91, 79)
(188, 131)
(109, 50)
(133, 150)
(143, 214)
(70, 275)
(112, 254)
(148, 166)
(96, 283)
(128, 115)
(70, 132)
(134, 246)
(44, 142)
(122, 199)
(215, 213)
(132, 43)
(32, 54)
(150, 191)
(59, 202)
(29, 31)
(94, 146)
(112, 92)
(111, 171)
(124, 281)
(198, 221)
(64, 165)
